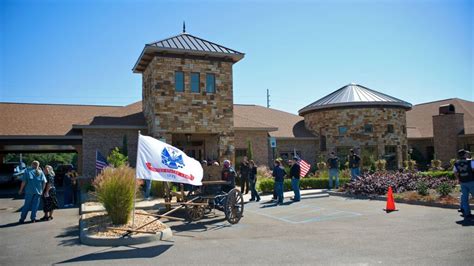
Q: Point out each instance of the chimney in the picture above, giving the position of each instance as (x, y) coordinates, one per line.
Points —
(447, 125)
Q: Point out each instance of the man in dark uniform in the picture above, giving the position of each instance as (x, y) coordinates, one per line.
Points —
(333, 165)
(228, 174)
(244, 175)
(463, 169)
(295, 171)
(354, 165)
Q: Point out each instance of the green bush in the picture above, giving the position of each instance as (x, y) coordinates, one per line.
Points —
(422, 188)
(444, 189)
(437, 174)
(266, 185)
(115, 189)
(116, 158)
(158, 189)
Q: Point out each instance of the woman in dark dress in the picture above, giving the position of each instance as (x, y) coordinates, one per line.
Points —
(50, 201)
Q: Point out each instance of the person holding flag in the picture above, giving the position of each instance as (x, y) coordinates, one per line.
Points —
(295, 172)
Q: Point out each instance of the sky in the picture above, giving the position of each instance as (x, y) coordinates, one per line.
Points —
(82, 52)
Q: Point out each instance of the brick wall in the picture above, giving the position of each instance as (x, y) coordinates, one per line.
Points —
(104, 140)
(306, 148)
(260, 144)
(446, 129)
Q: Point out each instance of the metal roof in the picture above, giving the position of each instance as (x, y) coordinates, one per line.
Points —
(354, 95)
(188, 44)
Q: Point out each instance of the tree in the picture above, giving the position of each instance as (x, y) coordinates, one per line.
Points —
(125, 145)
(116, 158)
(249, 150)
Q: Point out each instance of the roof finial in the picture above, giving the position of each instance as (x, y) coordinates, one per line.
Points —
(184, 26)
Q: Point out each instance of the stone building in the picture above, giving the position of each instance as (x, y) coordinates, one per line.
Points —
(188, 96)
(187, 100)
(372, 123)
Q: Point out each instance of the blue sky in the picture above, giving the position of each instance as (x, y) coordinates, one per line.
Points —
(83, 51)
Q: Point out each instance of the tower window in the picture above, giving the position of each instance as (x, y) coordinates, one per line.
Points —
(210, 83)
(389, 128)
(368, 128)
(179, 81)
(342, 130)
(195, 82)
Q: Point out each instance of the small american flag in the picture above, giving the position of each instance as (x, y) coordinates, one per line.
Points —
(304, 166)
(100, 162)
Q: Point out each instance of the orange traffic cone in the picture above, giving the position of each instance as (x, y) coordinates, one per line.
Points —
(390, 202)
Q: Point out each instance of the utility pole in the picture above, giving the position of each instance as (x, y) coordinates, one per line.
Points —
(268, 98)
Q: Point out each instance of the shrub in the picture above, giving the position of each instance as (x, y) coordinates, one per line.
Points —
(381, 164)
(422, 188)
(444, 189)
(436, 165)
(410, 165)
(158, 189)
(266, 185)
(438, 174)
(378, 183)
(116, 158)
(115, 189)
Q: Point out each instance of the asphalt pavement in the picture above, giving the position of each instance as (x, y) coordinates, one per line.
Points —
(315, 231)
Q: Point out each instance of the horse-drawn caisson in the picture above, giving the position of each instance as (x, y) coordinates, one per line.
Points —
(214, 194)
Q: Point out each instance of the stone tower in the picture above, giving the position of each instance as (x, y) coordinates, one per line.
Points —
(354, 116)
(188, 96)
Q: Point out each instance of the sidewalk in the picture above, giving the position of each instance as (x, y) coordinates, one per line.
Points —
(154, 204)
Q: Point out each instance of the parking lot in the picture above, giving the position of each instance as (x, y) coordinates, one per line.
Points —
(331, 230)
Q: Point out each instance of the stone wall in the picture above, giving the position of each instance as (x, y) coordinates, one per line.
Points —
(260, 144)
(104, 140)
(169, 112)
(326, 123)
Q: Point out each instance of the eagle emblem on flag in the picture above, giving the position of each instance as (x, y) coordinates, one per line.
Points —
(172, 158)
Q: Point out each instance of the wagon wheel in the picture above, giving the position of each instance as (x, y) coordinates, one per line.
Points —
(195, 212)
(234, 206)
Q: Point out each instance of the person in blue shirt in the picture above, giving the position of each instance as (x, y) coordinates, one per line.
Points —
(279, 175)
(33, 182)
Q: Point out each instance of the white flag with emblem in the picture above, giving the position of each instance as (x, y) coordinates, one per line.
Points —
(157, 160)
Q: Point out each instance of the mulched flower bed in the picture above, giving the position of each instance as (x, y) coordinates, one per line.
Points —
(99, 224)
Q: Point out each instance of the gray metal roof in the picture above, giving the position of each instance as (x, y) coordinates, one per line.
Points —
(353, 95)
(188, 44)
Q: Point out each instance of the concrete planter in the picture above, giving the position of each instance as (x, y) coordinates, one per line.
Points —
(90, 240)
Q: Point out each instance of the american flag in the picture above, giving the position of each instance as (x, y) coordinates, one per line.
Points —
(100, 162)
(304, 166)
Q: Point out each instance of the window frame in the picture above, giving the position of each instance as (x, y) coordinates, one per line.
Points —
(390, 128)
(339, 130)
(198, 82)
(213, 83)
(176, 83)
(368, 126)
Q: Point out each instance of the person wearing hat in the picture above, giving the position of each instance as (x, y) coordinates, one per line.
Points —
(228, 174)
(463, 170)
(333, 163)
(354, 164)
(295, 171)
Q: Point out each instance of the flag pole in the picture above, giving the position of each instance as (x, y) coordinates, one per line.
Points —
(135, 193)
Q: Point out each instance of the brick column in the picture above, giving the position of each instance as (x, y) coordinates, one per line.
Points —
(446, 128)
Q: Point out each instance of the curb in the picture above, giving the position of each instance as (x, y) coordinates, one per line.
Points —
(383, 198)
(87, 239)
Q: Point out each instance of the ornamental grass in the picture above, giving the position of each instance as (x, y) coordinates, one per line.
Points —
(115, 189)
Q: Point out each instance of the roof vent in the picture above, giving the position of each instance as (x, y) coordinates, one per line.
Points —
(447, 109)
